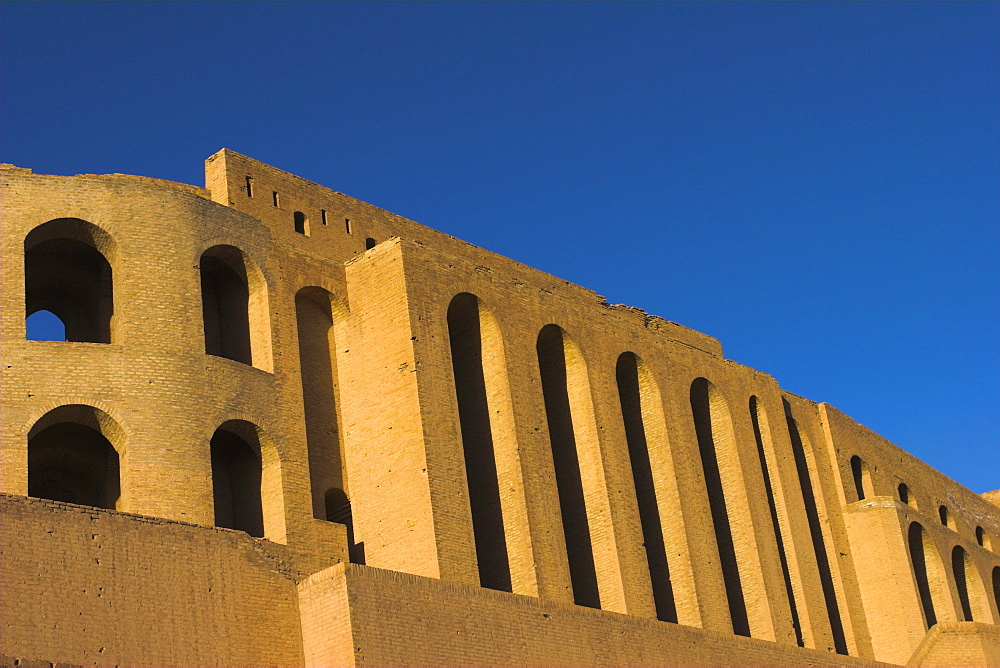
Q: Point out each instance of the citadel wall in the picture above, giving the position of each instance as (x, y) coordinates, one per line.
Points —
(466, 420)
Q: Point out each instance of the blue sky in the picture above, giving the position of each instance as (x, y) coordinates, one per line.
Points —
(817, 185)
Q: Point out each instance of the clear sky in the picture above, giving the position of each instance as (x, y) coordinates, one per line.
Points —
(817, 185)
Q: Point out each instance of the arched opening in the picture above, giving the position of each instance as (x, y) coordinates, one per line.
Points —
(370, 243)
(72, 459)
(982, 538)
(337, 508)
(712, 422)
(799, 446)
(560, 414)
(996, 589)
(236, 481)
(904, 493)
(638, 394)
(915, 541)
(861, 477)
(314, 315)
(234, 307)
(301, 222)
(465, 332)
(68, 272)
(760, 426)
(944, 516)
(959, 560)
(44, 326)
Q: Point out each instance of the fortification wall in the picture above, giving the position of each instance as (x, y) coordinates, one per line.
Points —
(433, 409)
(88, 586)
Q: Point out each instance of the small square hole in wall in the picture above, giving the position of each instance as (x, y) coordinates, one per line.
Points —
(274, 196)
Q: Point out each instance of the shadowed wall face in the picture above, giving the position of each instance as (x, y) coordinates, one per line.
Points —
(466, 340)
(708, 416)
(552, 363)
(635, 395)
(761, 426)
(816, 530)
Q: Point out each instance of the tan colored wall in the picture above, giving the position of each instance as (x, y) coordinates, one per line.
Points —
(471, 626)
(393, 419)
(90, 586)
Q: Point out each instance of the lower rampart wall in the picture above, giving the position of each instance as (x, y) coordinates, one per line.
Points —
(402, 619)
(87, 586)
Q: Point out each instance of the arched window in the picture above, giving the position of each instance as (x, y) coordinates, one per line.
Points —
(561, 371)
(301, 223)
(234, 307)
(370, 243)
(639, 397)
(982, 538)
(68, 272)
(246, 481)
(861, 477)
(72, 459)
(996, 588)
(236, 478)
(469, 347)
(944, 515)
(904, 493)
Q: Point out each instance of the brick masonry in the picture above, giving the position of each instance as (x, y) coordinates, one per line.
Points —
(812, 535)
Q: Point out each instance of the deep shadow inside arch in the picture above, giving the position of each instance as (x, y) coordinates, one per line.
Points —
(630, 396)
(73, 463)
(755, 418)
(225, 302)
(701, 410)
(915, 542)
(576, 527)
(236, 478)
(816, 532)
(73, 281)
(466, 339)
(338, 509)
